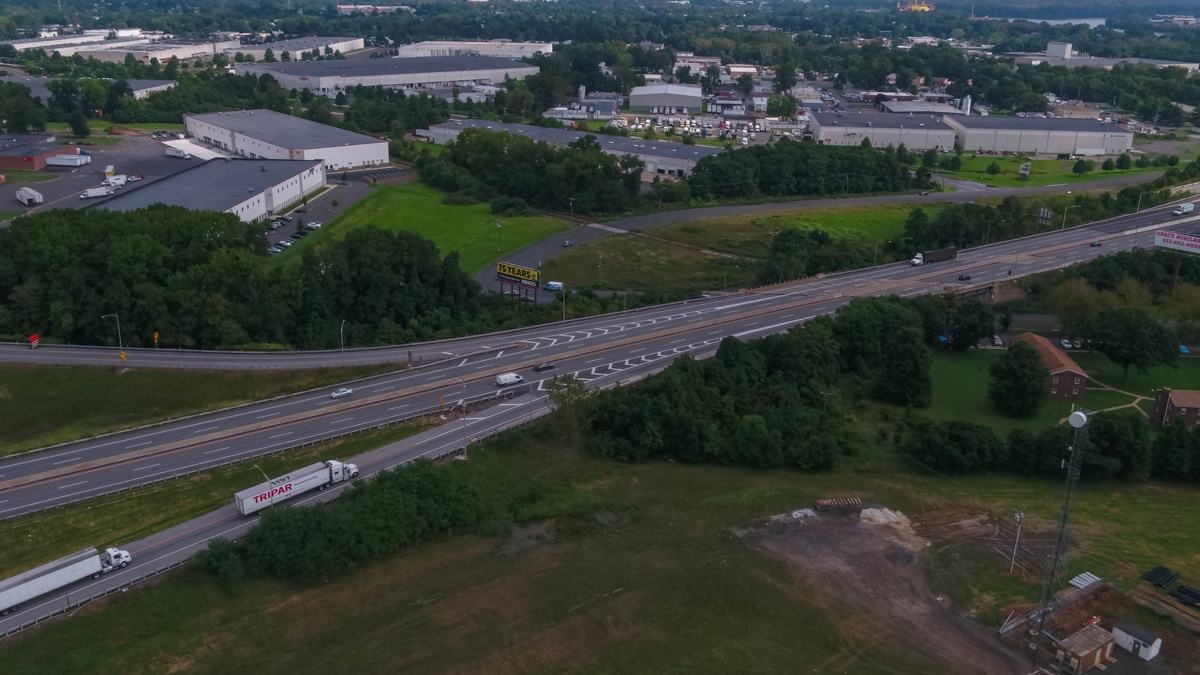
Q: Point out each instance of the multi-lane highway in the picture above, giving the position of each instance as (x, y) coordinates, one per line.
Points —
(599, 350)
(592, 348)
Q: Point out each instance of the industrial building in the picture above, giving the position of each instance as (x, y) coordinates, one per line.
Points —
(184, 50)
(28, 152)
(920, 107)
(297, 46)
(588, 106)
(266, 134)
(916, 132)
(1039, 135)
(1067, 380)
(250, 189)
(667, 99)
(674, 159)
(1137, 640)
(1088, 648)
(502, 48)
(329, 77)
(38, 89)
(1063, 54)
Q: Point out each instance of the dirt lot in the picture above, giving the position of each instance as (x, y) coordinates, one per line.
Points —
(871, 561)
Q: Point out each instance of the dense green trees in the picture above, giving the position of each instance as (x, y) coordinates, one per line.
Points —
(796, 253)
(379, 110)
(1018, 381)
(1132, 336)
(19, 112)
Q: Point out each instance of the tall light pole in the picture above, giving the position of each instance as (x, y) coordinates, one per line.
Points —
(1019, 515)
(875, 258)
(462, 383)
(1139, 204)
(268, 479)
(988, 235)
(564, 296)
(342, 339)
(1069, 207)
(120, 342)
(499, 237)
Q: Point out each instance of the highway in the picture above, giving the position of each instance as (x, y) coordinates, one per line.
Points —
(593, 349)
(601, 351)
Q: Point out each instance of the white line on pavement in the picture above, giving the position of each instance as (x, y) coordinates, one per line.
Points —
(205, 429)
(143, 468)
(209, 452)
(138, 445)
(286, 433)
(72, 485)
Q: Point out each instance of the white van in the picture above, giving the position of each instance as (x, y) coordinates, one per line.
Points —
(508, 379)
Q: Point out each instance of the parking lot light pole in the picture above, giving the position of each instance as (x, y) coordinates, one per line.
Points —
(120, 342)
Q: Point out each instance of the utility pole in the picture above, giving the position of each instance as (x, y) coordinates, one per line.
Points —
(599, 263)
(120, 342)
(564, 296)
(572, 201)
(1069, 207)
(1018, 515)
(462, 383)
(342, 340)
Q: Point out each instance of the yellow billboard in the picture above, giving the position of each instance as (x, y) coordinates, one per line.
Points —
(516, 274)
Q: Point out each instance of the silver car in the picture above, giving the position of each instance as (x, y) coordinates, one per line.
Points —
(341, 393)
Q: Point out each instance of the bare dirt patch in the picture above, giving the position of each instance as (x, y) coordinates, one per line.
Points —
(868, 566)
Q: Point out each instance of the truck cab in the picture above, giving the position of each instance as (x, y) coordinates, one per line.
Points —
(1184, 209)
(918, 259)
(111, 559)
(340, 471)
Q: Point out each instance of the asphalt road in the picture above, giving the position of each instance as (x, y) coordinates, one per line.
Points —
(631, 346)
(592, 349)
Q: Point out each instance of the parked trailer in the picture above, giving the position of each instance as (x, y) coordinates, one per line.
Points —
(68, 160)
(29, 196)
(53, 576)
(117, 181)
(176, 152)
(940, 255)
(315, 476)
(109, 172)
(96, 192)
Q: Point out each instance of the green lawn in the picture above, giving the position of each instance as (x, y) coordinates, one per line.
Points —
(27, 176)
(7, 215)
(416, 207)
(1042, 171)
(1183, 374)
(44, 405)
(93, 139)
(433, 148)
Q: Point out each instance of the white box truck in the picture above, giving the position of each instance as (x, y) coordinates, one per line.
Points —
(96, 192)
(117, 181)
(1184, 209)
(29, 196)
(313, 476)
(176, 152)
(53, 576)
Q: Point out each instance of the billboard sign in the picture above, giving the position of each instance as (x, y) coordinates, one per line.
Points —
(1025, 170)
(515, 274)
(1177, 241)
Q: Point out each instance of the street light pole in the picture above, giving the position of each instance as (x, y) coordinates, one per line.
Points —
(268, 479)
(120, 342)
(463, 384)
(342, 339)
(1069, 207)
(1139, 204)
(499, 237)
(1019, 515)
(564, 294)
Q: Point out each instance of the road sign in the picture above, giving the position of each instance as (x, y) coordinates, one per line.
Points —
(515, 274)
(155, 338)
(442, 400)
(1025, 170)
(1044, 216)
(1177, 241)
(122, 356)
(33, 341)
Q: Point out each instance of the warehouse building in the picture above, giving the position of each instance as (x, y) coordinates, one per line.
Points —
(28, 152)
(502, 48)
(1064, 54)
(38, 89)
(920, 107)
(667, 99)
(329, 77)
(184, 50)
(250, 189)
(297, 46)
(1039, 135)
(916, 132)
(675, 159)
(266, 134)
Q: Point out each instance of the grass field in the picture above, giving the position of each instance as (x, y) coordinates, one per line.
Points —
(1184, 374)
(93, 139)
(672, 256)
(7, 215)
(1042, 171)
(640, 572)
(102, 126)
(416, 207)
(27, 176)
(44, 405)
(118, 519)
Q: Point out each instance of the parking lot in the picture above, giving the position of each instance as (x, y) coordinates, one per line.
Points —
(134, 155)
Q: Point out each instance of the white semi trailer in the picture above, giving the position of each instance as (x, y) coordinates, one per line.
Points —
(29, 196)
(313, 476)
(53, 576)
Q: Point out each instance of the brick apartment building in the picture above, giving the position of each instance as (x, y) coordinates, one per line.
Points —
(1172, 403)
(1067, 381)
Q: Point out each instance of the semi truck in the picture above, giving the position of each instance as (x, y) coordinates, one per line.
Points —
(29, 196)
(312, 477)
(96, 192)
(176, 152)
(936, 256)
(52, 576)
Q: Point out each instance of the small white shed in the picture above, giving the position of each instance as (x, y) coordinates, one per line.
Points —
(1137, 641)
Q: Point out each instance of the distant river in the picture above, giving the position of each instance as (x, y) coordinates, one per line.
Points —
(1092, 23)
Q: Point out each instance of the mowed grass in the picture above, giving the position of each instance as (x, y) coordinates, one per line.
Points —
(122, 518)
(8, 215)
(1041, 171)
(684, 255)
(27, 176)
(45, 405)
(641, 573)
(1183, 374)
(417, 208)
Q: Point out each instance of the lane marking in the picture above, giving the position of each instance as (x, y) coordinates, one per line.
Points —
(399, 407)
(286, 433)
(206, 429)
(65, 461)
(268, 415)
(143, 468)
(137, 445)
(347, 419)
(385, 388)
(209, 452)
(72, 485)
(595, 360)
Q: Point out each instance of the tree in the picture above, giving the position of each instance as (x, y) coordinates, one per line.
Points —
(993, 169)
(745, 84)
(1177, 452)
(1082, 166)
(1018, 384)
(1076, 303)
(1132, 336)
(567, 392)
(79, 124)
(1108, 165)
(1119, 444)
(785, 78)
(1124, 161)
(970, 322)
(929, 158)
(269, 55)
(904, 377)
(781, 106)
(1142, 162)
(340, 99)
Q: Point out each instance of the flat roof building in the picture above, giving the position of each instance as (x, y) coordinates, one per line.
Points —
(916, 132)
(1039, 135)
(28, 152)
(38, 89)
(266, 134)
(503, 48)
(662, 157)
(184, 50)
(329, 77)
(297, 46)
(919, 107)
(666, 99)
(250, 189)
(1063, 54)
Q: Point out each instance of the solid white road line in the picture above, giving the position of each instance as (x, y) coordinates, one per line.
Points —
(72, 485)
(209, 452)
(143, 468)
(205, 429)
(286, 433)
(138, 445)
(267, 415)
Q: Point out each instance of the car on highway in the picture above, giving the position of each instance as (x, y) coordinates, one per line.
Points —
(567, 243)
(137, 177)
(964, 277)
(508, 379)
(341, 393)
(1096, 244)
(1066, 344)
(543, 367)
(925, 193)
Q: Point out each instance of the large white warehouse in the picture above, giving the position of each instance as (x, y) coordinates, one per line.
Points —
(667, 99)
(916, 132)
(250, 189)
(329, 77)
(504, 48)
(266, 134)
(298, 46)
(1039, 135)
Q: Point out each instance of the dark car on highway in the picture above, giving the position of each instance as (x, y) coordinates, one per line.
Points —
(543, 367)
(964, 277)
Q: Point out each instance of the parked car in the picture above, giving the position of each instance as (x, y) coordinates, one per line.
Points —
(284, 243)
(543, 367)
(925, 193)
(274, 249)
(1077, 344)
(341, 393)
(297, 236)
(286, 219)
(314, 225)
(567, 243)
(137, 177)
(1066, 344)
(300, 211)
(997, 341)
(276, 225)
